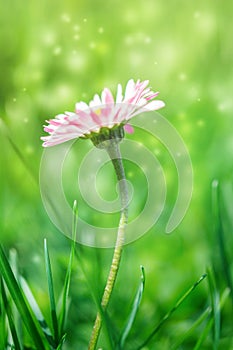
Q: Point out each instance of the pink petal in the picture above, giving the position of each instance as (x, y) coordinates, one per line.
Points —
(128, 128)
(151, 96)
(49, 130)
(107, 96)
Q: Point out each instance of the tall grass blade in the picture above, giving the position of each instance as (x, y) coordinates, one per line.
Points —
(203, 335)
(219, 231)
(37, 312)
(17, 150)
(214, 296)
(65, 292)
(196, 324)
(169, 314)
(12, 327)
(24, 309)
(61, 342)
(135, 306)
(51, 293)
(3, 330)
(13, 260)
(210, 322)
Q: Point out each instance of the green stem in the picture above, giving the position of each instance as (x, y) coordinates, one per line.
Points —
(112, 147)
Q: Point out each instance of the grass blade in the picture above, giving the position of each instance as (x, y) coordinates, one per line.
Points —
(3, 330)
(24, 309)
(51, 293)
(169, 314)
(197, 323)
(66, 288)
(203, 335)
(13, 260)
(209, 324)
(63, 338)
(135, 306)
(218, 228)
(214, 295)
(37, 312)
(17, 150)
(12, 327)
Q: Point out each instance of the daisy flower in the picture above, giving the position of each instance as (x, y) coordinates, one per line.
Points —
(104, 121)
(103, 114)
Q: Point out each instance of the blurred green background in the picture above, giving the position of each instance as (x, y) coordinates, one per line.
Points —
(55, 53)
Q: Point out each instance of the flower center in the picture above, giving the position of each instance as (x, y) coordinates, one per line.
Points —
(106, 135)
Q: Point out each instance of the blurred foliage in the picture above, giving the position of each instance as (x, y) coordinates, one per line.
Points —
(55, 53)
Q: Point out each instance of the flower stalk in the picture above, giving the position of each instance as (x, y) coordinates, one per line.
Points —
(112, 147)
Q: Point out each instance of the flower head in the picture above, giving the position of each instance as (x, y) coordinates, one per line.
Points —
(102, 114)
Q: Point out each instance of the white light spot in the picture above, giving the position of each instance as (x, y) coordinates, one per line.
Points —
(84, 20)
(76, 37)
(215, 183)
(136, 58)
(147, 40)
(63, 91)
(57, 51)
(181, 115)
(65, 18)
(29, 149)
(155, 62)
(76, 28)
(76, 61)
(36, 259)
(198, 100)
(25, 120)
(129, 40)
(207, 23)
(92, 45)
(221, 106)
(14, 99)
(182, 76)
(48, 38)
(36, 76)
(196, 15)
(24, 89)
(200, 123)
(100, 30)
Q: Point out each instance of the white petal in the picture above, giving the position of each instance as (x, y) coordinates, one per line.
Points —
(96, 101)
(130, 89)
(119, 96)
(154, 105)
(82, 106)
